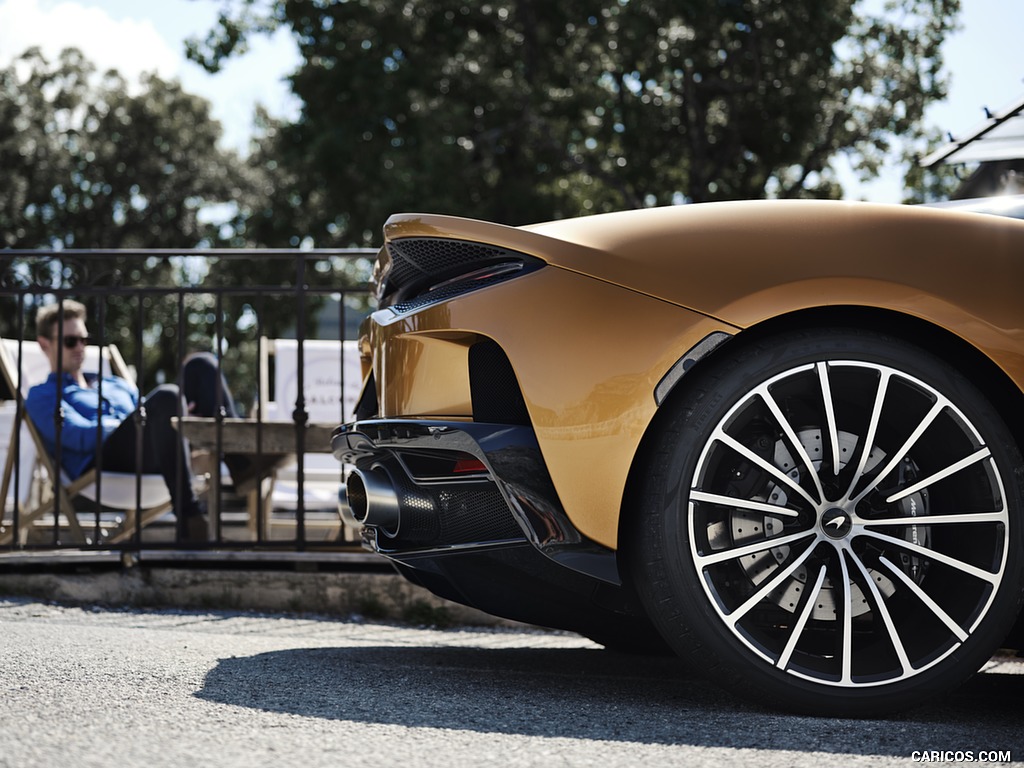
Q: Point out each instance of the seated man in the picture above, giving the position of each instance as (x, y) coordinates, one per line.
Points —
(164, 451)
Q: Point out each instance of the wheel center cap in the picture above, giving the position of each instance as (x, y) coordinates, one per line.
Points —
(836, 523)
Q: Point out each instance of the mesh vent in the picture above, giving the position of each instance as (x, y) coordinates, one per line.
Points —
(419, 510)
(469, 516)
(454, 515)
(494, 387)
(450, 291)
(419, 263)
(433, 256)
(468, 513)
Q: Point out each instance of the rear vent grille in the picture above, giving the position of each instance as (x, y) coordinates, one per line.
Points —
(494, 387)
(452, 289)
(419, 267)
(469, 516)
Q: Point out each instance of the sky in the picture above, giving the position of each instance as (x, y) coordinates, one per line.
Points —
(984, 59)
(136, 36)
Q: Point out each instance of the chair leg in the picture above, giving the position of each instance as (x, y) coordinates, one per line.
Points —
(6, 484)
(25, 519)
(127, 529)
(72, 516)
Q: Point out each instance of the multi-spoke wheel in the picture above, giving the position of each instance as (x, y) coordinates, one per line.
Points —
(831, 521)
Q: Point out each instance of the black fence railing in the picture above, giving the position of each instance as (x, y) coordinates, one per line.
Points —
(249, 465)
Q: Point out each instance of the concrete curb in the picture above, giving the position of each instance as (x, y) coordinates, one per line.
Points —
(378, 596)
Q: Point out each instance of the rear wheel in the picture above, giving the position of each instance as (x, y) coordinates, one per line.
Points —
(831, 522)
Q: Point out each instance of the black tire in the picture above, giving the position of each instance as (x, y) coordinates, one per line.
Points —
(780, 558)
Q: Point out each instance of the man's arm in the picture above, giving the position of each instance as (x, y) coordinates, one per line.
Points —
(78, 431)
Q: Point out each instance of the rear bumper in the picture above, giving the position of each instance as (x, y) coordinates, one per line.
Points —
(414, 510)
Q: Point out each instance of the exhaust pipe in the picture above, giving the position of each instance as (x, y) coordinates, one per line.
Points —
(384, 499)
(345, 511)
(371, 499)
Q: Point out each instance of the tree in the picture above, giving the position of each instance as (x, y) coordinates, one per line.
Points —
(525, 110)
(940, 182)
(86, 163)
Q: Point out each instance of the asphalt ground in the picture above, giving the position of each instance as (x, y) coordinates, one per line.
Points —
(97, 686)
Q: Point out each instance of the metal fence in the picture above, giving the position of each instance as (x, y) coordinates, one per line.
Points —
(150, 310)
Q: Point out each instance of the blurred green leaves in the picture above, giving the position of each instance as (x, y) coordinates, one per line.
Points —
(526, 110)
(87, 163)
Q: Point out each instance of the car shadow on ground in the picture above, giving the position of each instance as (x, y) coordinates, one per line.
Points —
(592, 694)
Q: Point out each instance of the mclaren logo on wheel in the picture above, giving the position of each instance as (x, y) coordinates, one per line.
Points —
(835, 523)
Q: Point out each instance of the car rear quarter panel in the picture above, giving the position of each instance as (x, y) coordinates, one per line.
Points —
(587, 354)
(748, 262)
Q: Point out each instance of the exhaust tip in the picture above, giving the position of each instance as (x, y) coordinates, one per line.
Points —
(345, 510)
(372, 501)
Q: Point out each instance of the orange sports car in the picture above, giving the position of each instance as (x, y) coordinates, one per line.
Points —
(779, 438)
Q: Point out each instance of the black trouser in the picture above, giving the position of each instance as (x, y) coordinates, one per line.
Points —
(164, 451)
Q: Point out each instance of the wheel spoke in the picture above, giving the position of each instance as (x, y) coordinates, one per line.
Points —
(769, 585)
(830, 415)
(869, 438)
(939, 557)
(921, 595)
(885, 616)
(750, 504)
(801, 622)
(953, 519)
(790, 432)
(768, 467)
(952, 469)
(751, 549)
(897, 457)
(847, 614)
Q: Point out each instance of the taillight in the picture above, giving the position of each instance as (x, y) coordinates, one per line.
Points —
(467, 466)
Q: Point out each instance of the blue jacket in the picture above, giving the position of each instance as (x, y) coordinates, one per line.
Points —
(82, 411)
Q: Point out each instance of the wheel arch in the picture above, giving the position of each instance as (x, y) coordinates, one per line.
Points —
(994, 383)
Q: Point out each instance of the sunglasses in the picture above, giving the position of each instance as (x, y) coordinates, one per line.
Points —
(70, 342)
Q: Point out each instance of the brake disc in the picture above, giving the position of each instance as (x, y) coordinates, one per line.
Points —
(748, 527)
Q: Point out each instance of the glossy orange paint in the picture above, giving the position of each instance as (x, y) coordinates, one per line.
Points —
(746, 262)
(589, 387)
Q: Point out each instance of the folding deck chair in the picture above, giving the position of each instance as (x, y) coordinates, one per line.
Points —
(117, 490)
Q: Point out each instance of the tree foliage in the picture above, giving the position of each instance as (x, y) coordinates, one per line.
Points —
(89, 162)
(86, 163)
(525, 110)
